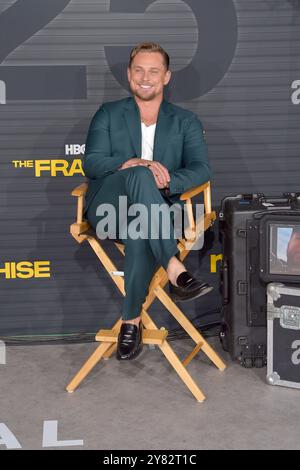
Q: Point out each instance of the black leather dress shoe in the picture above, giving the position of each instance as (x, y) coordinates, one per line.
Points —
(188, 288)
(129, 341)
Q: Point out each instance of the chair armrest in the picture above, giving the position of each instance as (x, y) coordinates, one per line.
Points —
(80, 190)
(194, 191)
(209, 216)
(205, 189)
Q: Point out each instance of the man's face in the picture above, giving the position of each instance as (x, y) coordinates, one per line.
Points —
(293, 250)
(148, 75)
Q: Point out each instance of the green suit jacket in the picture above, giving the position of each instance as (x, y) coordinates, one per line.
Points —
(115, 136)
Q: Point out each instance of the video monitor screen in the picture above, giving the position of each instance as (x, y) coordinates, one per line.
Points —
(284, 249)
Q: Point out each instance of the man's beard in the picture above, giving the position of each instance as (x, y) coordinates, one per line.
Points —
(143, 97)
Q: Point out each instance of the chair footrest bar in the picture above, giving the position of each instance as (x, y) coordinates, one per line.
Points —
(149, 336)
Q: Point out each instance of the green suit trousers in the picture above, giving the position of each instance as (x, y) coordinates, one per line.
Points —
(142, 255)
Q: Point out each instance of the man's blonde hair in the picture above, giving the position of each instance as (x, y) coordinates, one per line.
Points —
(149, 47)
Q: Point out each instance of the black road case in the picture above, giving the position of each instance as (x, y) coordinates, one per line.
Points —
(283, 335)
(244, 297)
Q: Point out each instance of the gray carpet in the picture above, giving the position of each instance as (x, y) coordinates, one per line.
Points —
(143, 404)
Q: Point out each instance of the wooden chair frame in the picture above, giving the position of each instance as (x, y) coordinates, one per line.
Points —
(151, 334)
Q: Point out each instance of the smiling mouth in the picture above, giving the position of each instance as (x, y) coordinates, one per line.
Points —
(145, 87)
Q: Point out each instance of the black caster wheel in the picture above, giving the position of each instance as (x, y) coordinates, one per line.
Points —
(248, 363)
(258, 363)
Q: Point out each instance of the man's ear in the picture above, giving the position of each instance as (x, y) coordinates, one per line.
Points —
(167, 77)
(128, 74)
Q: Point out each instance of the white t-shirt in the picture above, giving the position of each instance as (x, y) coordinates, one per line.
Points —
(148, 133)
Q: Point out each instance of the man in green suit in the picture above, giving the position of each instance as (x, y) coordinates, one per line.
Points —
(150, 151)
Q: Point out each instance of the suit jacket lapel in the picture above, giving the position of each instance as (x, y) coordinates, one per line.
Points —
(162, 131)
(133, 120)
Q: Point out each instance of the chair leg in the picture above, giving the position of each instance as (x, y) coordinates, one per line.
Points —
(113, 347)
(88, 366)
(105, 350)
(192, 354)
(189, 328)
(110, 351)
(175, 361)
(182, 372)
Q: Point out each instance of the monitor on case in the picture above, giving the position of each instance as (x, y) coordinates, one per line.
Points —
(280, 248)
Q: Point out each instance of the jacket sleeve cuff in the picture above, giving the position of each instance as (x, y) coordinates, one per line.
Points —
(175, 187)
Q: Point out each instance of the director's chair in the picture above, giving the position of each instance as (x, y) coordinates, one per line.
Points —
(82, 231)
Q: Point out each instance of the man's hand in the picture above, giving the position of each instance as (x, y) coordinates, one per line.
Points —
(161, 174)
(159, 171)
(132, 162)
